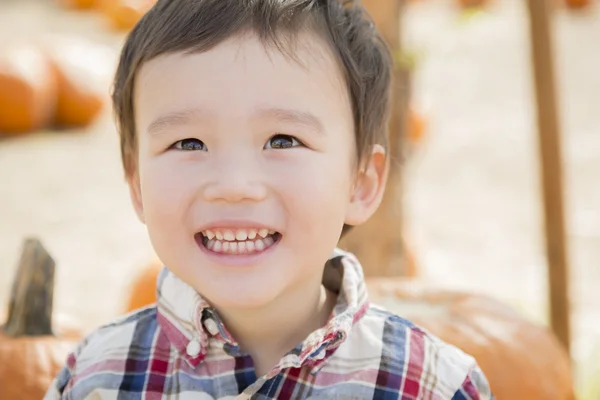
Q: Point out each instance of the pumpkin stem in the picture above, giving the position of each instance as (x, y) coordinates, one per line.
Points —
(30, 306)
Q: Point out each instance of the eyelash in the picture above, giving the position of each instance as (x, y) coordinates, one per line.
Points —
(178, 145)
(295, 143)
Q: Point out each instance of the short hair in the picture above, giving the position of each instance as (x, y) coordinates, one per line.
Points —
(199, 25)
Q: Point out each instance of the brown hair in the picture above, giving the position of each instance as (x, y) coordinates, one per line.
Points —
(199, 25)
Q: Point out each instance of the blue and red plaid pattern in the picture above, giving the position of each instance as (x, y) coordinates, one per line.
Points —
(180, 349)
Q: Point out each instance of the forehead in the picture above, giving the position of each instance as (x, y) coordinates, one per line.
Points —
(242, 75)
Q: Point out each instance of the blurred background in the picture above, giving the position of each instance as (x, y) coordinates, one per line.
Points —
(471, 191)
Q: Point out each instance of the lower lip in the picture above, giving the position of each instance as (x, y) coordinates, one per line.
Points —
(237, 260)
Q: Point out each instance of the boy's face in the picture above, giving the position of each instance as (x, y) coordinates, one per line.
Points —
(237, 143)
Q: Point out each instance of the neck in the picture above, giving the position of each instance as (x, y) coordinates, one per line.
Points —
(270, 332)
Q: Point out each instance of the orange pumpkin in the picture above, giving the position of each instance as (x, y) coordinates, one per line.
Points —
(520, 359)
(577, 4)
(27, 90)
(31, 353)
(83, 69)
(143, 288)
(124, 14)
(416, 126)
(79, 4)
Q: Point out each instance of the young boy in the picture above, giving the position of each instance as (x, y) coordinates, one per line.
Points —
(253, 132)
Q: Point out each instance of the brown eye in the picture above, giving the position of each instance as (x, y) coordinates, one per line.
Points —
(281, 142)
(190, 145)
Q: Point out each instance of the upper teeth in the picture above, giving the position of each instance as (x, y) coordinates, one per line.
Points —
(231, 235)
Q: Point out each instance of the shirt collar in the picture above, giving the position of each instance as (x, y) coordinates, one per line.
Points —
(189, 322)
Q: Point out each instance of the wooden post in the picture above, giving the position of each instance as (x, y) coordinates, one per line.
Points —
(551, 168)
(30, 306)
(379, 243)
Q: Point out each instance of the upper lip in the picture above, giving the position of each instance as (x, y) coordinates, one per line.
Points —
(236, 224)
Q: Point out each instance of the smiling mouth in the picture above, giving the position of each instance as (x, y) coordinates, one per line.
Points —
(237, 241)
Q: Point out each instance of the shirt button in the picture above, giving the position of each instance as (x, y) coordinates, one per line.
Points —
(193, 348)
(211, 326)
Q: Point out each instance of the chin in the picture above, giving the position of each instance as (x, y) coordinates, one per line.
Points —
(250, 297)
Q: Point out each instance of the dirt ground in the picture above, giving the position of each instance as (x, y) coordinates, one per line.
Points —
(472, 187)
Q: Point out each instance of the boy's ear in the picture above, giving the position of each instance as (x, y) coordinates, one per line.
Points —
(368, 188)
(136, 195)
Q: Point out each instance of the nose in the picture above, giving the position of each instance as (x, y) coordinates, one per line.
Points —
(234, 182)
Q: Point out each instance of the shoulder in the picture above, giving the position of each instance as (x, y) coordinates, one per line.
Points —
(414, 361)
(116, 337)
(104, 353)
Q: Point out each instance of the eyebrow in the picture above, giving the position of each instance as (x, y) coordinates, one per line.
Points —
(174, 119)
(185, 117)
(294, 116)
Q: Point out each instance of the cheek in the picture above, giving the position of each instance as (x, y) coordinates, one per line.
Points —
(166, 194)
(316, 192)
(165, 191)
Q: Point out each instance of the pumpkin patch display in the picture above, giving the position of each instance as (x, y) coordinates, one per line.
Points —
(32, 350)
(28, 90)
(60, 81)
(520, 359)
(83, 71)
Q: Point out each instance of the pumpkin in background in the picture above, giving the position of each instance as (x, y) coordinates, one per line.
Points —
(143, 289)
(520, 359)
(577, 4)
(27, 90)
(83, 71)
(416, 126)
(31, 352)
(124, 14)
(79, 4)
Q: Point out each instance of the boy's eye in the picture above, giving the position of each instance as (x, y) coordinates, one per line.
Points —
(282, 142)
(189, 145)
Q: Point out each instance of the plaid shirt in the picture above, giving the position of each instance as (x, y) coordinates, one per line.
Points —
(180, 349)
